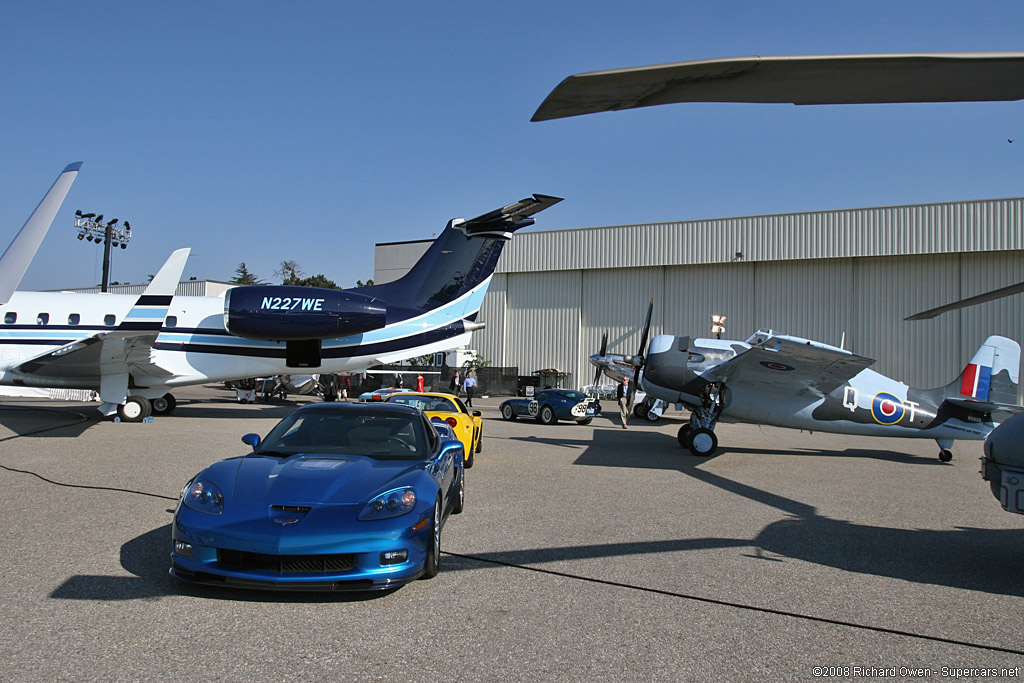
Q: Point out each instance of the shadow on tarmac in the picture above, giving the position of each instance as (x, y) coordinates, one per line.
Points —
(147, 557)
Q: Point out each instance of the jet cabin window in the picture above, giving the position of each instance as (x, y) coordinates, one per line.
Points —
(109, 319)
(74, 319)
(10, 318)
(43, 319)
(172, 321)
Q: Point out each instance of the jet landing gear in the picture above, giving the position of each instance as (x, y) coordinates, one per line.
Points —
(945, 454)
(699, 436)
(137, 408)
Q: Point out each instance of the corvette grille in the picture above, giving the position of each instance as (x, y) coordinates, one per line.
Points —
(283, 564)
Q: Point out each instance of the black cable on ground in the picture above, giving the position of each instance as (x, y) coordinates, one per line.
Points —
(52, 428)
(737, 605)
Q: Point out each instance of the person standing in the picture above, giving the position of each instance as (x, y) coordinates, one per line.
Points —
(622, 394)
(455, 386)
(419, 383)
(469, 385)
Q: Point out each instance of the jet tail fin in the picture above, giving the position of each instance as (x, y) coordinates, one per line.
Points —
(992, 375)
(462, 258)
(23, 248)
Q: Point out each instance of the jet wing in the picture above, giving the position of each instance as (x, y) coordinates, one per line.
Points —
(791, 366)
(127, 349)
(803, 79)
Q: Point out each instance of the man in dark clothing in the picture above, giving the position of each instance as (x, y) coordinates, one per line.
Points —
(622, 394)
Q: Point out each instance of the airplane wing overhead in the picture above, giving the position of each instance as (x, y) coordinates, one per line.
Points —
(125, 349)
(790, 366)
(806, 79)
(969, 301)
(23, 248)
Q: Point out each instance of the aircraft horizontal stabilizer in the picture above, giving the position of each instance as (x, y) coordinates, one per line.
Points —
(509, 218)
(1004, 410)
(23, 248)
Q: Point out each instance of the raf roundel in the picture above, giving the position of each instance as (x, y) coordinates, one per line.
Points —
(887, 409)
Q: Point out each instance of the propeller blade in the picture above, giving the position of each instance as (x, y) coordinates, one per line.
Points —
(647, 331)
(638, 364)
(604, 348)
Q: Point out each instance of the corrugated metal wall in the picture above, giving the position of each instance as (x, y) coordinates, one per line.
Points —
(542, 321)
(982, 225)
(818, 275)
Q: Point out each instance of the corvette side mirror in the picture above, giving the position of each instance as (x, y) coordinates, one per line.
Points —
(252, 440)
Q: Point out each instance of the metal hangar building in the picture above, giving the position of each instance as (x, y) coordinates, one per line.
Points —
(845, 277)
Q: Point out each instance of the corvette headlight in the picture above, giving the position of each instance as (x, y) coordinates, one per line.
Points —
(391, 503)
(203, 496)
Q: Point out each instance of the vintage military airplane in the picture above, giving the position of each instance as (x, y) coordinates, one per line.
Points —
(134, 350)
(786, 381)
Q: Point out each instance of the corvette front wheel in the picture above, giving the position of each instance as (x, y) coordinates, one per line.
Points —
(434, 550)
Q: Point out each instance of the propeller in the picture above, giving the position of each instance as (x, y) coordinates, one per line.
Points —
(638, 360)
(604, 348)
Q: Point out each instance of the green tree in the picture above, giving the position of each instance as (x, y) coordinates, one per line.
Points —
(319, 280)
(244, 277)
(476, 363)
(360, 283)
(289, 272)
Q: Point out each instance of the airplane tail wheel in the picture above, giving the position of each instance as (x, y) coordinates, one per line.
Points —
(945, 455)
(703, 442)
(135, 409)
(683, 436)
(164, 405)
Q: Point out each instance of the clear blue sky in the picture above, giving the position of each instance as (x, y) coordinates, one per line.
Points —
(263, 131)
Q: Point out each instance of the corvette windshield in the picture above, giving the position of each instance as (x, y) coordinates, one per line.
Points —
(385, 437)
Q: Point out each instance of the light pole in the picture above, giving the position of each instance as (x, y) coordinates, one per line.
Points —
(91, 227)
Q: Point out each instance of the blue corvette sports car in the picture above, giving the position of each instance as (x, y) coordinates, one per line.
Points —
(339, 496)
(551, 405)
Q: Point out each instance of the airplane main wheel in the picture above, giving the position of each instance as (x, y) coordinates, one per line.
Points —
(683, 436)
(651, 416)
(640, 410)
(135, 409)
(164, 405)
(945, 455)
(702, 442)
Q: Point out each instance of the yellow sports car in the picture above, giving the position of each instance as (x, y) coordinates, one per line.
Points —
(466, 424)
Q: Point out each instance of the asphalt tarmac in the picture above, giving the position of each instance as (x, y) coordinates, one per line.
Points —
(585, 553)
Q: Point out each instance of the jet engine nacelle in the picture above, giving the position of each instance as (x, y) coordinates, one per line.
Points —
(286, 313)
